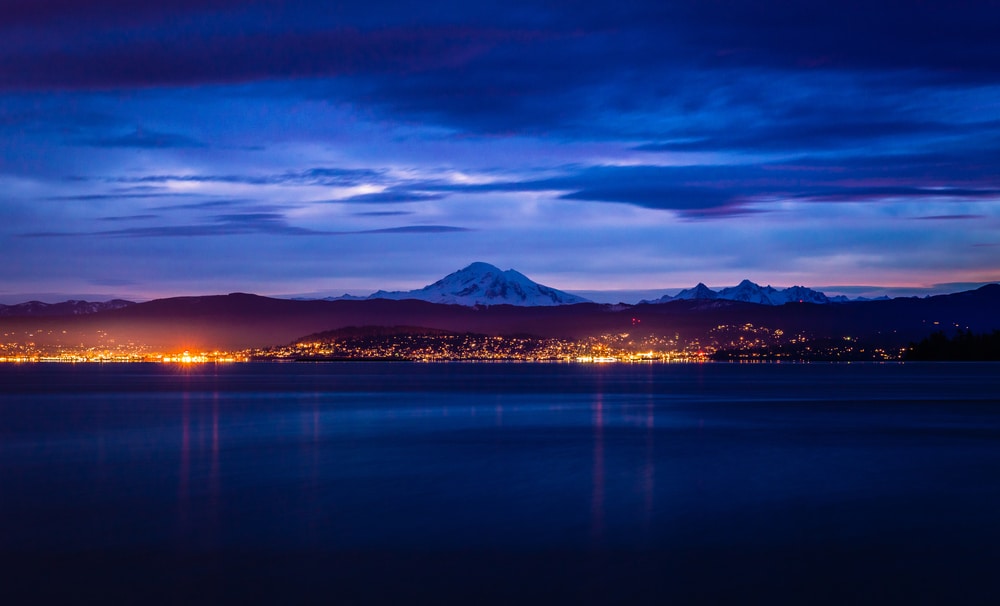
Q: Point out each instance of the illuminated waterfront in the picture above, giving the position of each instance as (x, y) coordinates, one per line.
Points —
(736, 342)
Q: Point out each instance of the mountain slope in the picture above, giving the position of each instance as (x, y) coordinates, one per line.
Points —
(698, 293)
(236, 321)
(66, 308)
(749, 292)
(801, 294)
(485, 284)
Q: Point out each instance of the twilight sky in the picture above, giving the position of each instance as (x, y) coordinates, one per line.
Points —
(307, 146)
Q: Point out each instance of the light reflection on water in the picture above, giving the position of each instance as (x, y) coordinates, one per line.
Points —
(336, 458)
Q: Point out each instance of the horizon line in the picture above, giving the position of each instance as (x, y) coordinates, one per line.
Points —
(634, 295)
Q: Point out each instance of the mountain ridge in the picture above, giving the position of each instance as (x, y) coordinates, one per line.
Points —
(70, 307)
(238, 321)
(481, 284)
(751, 292)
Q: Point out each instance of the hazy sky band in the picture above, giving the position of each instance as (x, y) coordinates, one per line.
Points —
(283, 147)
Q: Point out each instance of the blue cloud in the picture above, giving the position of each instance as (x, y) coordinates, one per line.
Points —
(384, 213)
(122, 196)
(950, 217)
(144, 139)
(342, 177)
(269, 223)
(391, 197)
(411, 229)
(129, 218)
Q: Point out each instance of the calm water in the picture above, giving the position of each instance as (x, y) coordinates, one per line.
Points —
(368, 482)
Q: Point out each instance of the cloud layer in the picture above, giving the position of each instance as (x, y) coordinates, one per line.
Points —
(594, 144)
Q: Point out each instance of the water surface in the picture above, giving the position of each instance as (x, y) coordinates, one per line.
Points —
(373, 482)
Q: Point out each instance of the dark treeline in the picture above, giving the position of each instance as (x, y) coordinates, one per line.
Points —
(964, 346)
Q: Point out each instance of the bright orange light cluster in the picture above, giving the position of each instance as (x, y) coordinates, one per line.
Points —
(186, 358)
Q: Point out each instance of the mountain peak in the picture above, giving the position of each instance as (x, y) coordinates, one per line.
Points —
(698, 292)
(750, 292)
(481, 283)
(480, 267)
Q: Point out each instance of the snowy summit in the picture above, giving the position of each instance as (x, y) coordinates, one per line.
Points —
(485, 284)
(749, 292)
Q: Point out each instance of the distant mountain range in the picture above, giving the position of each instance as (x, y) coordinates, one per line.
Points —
(749, 292)
(484, 285)
(66, 308)
(236, 321)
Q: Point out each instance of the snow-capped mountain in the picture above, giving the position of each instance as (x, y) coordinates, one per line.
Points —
(699, 292)
(484, 284)
(844, 299)
(748, 292)
(801, 294)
